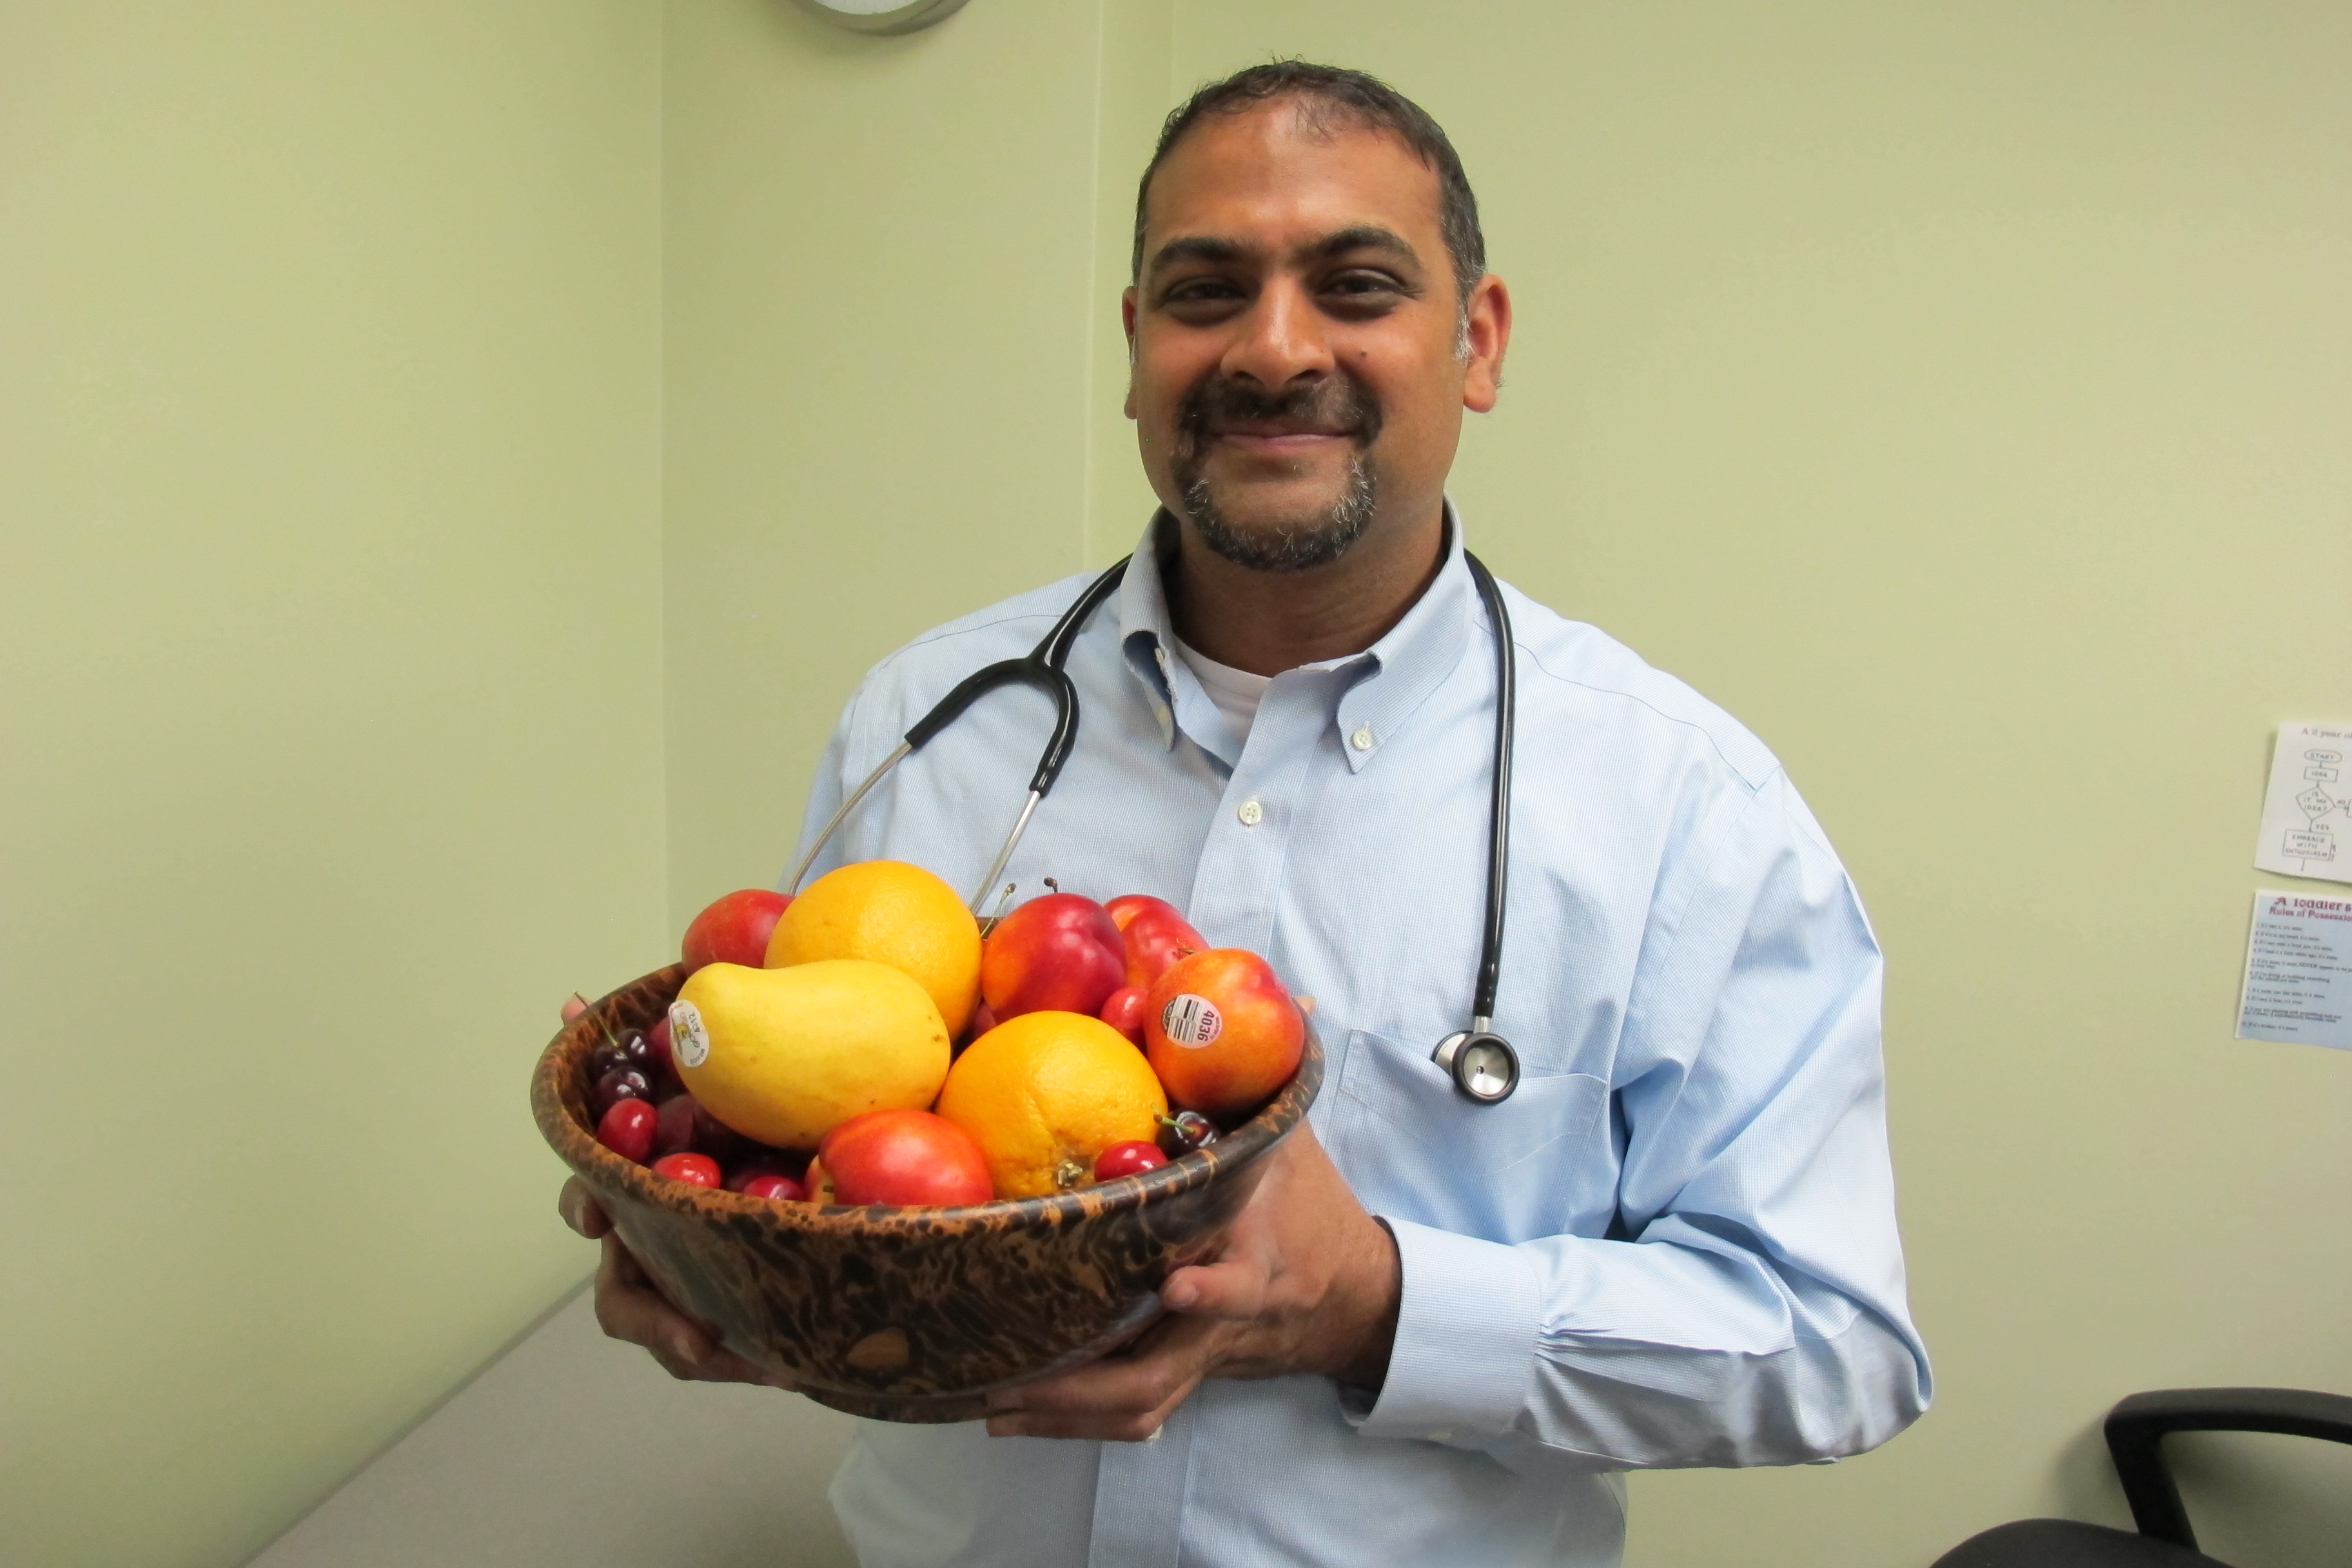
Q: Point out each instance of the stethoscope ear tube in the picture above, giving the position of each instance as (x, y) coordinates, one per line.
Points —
(1030, 671)
(1043, 669)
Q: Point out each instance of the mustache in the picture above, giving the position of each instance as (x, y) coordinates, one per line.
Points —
(1337, 402)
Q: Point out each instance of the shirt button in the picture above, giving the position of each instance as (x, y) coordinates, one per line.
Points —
(1362, 739)
(1251, 812)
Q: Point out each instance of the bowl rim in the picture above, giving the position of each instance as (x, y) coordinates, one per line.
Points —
(560, 1110)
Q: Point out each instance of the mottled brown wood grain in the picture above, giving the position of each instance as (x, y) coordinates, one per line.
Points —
(906, 1314)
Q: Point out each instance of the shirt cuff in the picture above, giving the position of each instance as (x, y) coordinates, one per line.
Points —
(1468, 1320)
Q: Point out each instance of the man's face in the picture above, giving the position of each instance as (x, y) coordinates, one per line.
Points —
(1294, 330)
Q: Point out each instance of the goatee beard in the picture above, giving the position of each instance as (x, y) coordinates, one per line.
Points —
(1288, 547)
(1340, 402)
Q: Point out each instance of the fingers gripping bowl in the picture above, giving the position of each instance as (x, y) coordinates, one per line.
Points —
(906, 1314)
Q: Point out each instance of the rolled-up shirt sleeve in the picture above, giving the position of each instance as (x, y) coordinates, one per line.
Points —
(1747, 1306)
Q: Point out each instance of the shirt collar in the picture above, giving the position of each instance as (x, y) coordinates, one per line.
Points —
(1389, 680)
(1146, 635)
(1405, 666)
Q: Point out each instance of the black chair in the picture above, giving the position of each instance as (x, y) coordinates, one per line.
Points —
(2135, 1428)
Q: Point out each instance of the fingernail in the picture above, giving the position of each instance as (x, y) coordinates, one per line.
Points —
(1181, 1294)
(686, 1348)
(1004, 1427)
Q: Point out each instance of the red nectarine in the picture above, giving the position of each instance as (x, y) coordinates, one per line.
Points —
(1154, 934)
(734, 929)
(904, 1157)
(1222, 1032)
(1060, 953)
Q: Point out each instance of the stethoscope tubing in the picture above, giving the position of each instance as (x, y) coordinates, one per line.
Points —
(1483, 1065)
(1041, 669)
(1499, 821)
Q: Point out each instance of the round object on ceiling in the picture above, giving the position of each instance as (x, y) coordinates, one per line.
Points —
(882, 15)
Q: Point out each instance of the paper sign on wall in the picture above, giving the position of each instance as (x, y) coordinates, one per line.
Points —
(2298, 983)
(2308, 811)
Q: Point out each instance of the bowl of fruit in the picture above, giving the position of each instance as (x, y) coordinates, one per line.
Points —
(905, 1160)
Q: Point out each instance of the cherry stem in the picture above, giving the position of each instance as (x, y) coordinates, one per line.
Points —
(997, 913)
(589, 1007)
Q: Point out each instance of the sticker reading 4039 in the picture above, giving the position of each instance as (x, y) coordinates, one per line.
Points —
(689, 1042)
(1191, 1020)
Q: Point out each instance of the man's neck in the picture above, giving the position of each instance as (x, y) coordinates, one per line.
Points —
(1268, 622)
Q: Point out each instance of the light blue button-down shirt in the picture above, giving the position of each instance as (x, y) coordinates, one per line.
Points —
(1673, 1245)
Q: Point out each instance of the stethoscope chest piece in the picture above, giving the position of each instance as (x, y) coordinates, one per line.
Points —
(1483, 1066)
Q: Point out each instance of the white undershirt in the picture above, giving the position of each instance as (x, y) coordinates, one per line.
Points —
(1236, 693)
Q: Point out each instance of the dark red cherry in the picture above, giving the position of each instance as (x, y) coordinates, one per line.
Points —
(675, 1135)
(1128, 1160)
(620, 1084)
(627, 1129)
(774, 1185)
(1186, 1131)
(695, 1169)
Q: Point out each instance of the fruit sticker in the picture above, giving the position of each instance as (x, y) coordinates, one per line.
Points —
(1187, 1020)
(688, 1040)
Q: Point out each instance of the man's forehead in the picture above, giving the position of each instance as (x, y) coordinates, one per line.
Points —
(1271, 181)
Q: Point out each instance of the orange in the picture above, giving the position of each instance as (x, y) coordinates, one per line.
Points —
(1045, 1094)
(888, 911)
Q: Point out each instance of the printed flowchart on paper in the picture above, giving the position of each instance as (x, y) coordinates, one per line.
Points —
(2308, 810)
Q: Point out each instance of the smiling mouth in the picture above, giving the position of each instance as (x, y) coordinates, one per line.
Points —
(1297, 425)
(1277, 436)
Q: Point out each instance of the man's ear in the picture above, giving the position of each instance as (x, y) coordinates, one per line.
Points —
(1487, 330)
(1127, 323)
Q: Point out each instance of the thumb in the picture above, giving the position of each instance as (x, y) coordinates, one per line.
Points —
(581, 1210)
(1233, 1287)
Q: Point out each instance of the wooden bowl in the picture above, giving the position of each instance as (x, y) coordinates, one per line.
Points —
(906, 1314)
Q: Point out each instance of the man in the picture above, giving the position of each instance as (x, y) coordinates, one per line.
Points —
(1441, 1328)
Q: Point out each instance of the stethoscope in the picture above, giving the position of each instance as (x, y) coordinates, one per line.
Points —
(1483, 1065)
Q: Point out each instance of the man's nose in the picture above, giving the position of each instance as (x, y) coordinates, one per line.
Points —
(1279, 339)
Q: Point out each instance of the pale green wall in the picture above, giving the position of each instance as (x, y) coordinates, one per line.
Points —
(1958, 394)
(1955, 392)
(882, 282)
(329, 640)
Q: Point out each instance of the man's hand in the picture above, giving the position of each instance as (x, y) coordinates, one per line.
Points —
(1308, 1282)
(628, 1307)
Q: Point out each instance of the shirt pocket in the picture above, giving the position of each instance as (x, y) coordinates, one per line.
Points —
(1416, 1149)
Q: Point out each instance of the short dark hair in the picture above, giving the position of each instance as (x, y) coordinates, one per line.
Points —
(1327, 93)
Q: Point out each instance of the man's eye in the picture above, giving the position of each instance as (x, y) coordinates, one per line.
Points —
(1363, 283)
(1200, 290)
